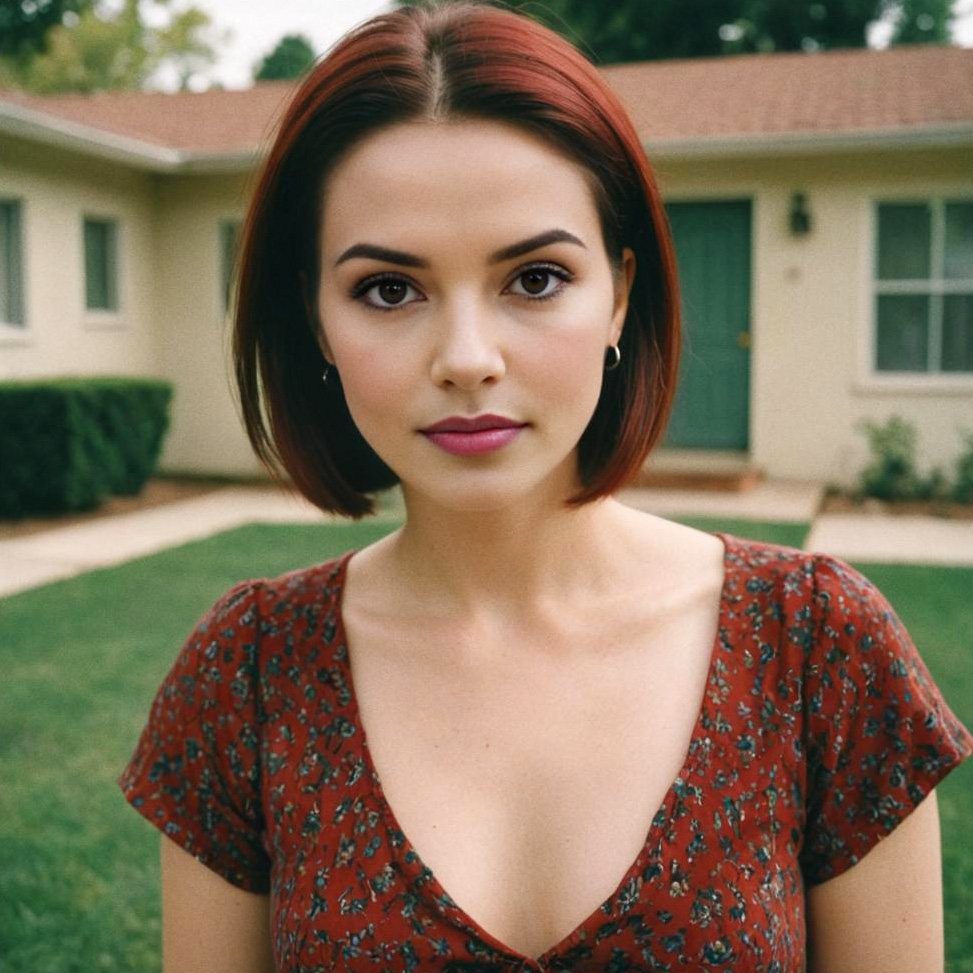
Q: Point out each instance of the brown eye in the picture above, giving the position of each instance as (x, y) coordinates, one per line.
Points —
(386, 293)
(392, 291)
(535, 281)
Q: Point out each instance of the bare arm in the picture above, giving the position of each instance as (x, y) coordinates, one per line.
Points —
(209, 925)
(885, 914)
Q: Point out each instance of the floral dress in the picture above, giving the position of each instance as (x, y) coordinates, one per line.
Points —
(819, 731)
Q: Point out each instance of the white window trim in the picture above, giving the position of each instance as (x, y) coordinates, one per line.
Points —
(19, 334)
(102, 320)
(869, 379)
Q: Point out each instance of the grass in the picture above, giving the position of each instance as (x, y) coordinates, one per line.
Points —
(82, 659)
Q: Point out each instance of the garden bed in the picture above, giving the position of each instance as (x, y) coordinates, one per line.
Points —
(837, 501)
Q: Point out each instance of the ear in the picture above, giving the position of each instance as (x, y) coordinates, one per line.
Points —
(317, 329)
(623, 288)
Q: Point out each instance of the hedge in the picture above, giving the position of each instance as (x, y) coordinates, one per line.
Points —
(66, 444)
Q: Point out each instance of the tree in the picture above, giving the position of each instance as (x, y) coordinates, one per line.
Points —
(102, 48)
(923, 22)
(24, 23)
(615, 31)
(292, 56)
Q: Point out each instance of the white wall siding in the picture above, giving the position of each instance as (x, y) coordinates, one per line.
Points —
(59, 336)
(812, 307)
(193, 329)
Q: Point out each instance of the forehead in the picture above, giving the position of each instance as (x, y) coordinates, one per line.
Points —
(467, 178)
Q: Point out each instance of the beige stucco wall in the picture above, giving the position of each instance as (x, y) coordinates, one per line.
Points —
(57, 190)
(812, 305)
(170, 323)
(811, 297)
(206, 434)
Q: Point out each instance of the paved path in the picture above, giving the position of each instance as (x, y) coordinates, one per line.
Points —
(50, 555)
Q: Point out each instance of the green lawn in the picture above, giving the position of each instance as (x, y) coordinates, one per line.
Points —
(81, 660)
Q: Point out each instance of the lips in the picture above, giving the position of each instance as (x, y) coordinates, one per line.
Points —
(475, 436)
(476, 424)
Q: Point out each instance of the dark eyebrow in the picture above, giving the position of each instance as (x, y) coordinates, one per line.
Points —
(507, 253)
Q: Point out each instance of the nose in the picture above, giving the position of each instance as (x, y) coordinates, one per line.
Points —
(467, 353)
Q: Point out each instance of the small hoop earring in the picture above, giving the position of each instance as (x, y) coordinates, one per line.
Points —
(612, 361)
(324, 376)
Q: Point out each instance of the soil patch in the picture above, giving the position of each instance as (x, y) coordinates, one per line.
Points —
(843, 503)
(156, 492)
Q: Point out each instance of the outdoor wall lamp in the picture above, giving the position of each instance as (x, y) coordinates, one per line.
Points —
(800, 217)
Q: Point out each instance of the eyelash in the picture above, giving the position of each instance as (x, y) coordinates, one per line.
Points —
(366, 285)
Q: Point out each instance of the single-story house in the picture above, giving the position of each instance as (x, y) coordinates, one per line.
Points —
(822, 206)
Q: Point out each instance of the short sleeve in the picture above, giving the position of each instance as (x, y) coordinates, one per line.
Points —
(195, 772)
(878, 733)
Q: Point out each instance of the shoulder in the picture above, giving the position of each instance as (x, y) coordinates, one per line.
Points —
(237, 644)
(811, 584)
(273, 603)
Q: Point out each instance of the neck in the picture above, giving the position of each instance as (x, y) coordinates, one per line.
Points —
(511, 562)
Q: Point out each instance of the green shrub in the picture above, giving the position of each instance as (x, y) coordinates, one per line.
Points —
(963, 487)
(66, 444)
(133, 414)
(891, 474)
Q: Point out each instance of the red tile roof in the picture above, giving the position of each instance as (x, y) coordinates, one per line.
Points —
(204, 122)
(753, 97)
(770, 94)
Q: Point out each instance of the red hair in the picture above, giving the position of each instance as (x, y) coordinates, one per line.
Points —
(448, 61)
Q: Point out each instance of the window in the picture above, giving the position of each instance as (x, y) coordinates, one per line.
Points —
(101, 264)
(11, 264)
(924, 287)
(229, 241)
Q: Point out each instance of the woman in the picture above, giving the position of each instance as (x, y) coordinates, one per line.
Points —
(596, 739)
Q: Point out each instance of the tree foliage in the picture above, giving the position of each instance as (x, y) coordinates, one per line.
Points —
(93, 46)
(613, 31)
(24, 23)
(292, 56)
(922, 22)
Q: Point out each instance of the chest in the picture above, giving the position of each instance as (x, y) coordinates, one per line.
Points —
(527, 784)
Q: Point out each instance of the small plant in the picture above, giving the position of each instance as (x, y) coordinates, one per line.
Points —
(963, 487)
(891, 474)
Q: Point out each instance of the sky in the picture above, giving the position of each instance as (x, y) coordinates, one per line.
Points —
(251, 28)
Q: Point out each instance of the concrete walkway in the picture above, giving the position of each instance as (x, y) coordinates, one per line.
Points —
(62, 552)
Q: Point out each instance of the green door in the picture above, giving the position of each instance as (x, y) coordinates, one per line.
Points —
(713, 250)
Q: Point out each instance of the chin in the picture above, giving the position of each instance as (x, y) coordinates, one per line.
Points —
(487, 492)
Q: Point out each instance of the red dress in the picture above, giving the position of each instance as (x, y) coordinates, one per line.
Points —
(819, 731)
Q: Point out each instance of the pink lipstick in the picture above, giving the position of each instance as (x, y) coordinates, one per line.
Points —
(475, 436)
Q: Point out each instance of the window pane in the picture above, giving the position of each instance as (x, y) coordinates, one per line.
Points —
(229, 234)
(11, 264)
(100, 265)
(959, 241)
(903, 333)
(958, 333)
(903, 241)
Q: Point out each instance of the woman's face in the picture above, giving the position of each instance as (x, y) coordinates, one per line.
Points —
(464, 275)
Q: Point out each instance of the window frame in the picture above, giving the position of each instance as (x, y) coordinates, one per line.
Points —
(14, 332)
(871, 378)
(104, 317)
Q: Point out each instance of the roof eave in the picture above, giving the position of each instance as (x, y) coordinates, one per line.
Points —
(950, 135)
(28, 123)
(218, 162)
(36, 126)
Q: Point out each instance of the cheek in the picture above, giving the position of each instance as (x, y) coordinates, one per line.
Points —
(376, 384)
(562, 379)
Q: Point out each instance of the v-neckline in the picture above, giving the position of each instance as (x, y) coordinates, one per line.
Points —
(419, 874)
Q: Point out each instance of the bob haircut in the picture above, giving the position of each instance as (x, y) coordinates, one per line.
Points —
(442, 61)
